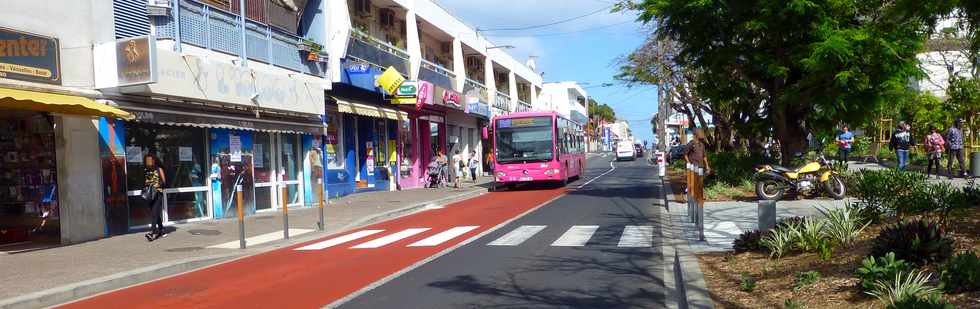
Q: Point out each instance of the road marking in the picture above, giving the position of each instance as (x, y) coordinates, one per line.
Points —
(390, 238)
(576, 236)
(637, 236)
(443, 237)
(612, 167)
(339, 240)
(261, 239)
(517, 236)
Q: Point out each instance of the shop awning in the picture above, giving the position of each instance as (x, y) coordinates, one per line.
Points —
(57, 103)
(369, 110)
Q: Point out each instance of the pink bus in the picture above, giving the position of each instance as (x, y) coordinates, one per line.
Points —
(536, 147)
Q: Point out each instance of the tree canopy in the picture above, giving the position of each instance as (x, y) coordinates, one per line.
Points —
(599, 111)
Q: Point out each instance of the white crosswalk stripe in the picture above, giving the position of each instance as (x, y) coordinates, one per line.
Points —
(636, 236)
(576, 236)
(390, 238)
(339, 240)
(517, 236)
(446, 235)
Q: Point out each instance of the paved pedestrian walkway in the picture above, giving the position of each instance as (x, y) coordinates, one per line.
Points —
(98, 265)
(956, 182)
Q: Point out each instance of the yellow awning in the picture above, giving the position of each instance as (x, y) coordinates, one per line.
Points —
(57, 103)
(369, 110)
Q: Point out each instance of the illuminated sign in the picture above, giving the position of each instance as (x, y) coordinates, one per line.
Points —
(136, 61)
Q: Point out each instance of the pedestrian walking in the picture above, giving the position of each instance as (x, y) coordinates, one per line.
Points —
(934, 145)
(954, 137)
(152, 193)
(901, 142)
(474, 164)
(443, 167)
(844, 141)
(458, 166)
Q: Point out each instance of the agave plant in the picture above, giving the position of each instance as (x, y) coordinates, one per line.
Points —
(907, 286)
(810, 235)
(843, 225)
(918, 242)
(779, 241)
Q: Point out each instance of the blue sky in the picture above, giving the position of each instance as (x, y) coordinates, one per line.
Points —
(587, 54)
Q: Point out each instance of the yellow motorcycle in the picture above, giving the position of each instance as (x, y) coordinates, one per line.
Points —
(774, 181)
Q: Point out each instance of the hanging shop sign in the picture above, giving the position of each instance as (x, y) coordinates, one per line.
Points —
(29, 57)
(452, 99)
(390, 80)
(136, 61)
(407, 93)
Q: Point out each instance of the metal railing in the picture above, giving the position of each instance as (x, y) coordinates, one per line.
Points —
(437, 75)
(470, 85)
(502, 101)
(364, 47)
(523, 106)
(215, 29)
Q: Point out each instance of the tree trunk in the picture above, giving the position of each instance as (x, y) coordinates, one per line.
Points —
(790, 132)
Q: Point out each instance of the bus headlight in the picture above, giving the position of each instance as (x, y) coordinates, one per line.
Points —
(551, 172)
(501, 174)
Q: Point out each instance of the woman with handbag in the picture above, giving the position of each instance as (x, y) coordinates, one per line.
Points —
(154, 180)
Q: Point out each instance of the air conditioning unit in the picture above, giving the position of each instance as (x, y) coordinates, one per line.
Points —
(158, 8)
(386, 18)
(447, 47)
(362, 7)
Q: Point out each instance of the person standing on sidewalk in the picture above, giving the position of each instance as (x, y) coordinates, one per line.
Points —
(694, 152)
(955, 138)
(154, 180)
(901, 142)
(844, 141)
(934, 150)
(457, 164)
(474, 164)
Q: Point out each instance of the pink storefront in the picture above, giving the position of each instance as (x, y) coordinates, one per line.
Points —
(421, 136)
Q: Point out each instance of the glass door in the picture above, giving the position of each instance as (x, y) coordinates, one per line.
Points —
(289, 167)
(265, 185)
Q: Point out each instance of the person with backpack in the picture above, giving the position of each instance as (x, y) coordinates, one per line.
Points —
(901, 142)
(955, 139)
(934, 146)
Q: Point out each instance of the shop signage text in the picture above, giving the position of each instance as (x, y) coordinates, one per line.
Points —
(390, 80)
(359, 68)
(136, 61)
(29, 57)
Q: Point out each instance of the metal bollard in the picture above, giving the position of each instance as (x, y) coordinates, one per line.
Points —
(285, 213)
(767, 215)
(700, 203)
(241, 216)
(323, 187)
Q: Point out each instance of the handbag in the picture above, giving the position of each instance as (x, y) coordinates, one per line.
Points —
(149, 193)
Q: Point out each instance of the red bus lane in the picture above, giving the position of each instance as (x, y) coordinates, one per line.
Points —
(315, 276)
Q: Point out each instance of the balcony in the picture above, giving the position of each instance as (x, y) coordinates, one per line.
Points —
(523, 106)
(365, 48)
(502, 101)
(475, 86)
(214, 29)
(437, 75)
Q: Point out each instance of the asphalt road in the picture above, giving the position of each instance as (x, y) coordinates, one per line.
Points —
(597, 246)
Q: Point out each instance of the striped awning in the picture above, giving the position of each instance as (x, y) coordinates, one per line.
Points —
(368, 110)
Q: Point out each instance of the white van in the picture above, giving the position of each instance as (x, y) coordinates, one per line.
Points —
(625, 151)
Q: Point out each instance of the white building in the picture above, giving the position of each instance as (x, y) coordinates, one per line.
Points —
(944, 59)
(567, 98)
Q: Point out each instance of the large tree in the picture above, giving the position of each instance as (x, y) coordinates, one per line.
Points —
(796, 65)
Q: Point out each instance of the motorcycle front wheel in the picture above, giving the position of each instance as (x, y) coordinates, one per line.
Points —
(835, 187)
(768, 189)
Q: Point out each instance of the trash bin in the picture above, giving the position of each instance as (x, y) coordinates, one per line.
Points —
(975, 164)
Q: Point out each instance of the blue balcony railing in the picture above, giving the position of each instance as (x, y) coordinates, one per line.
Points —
(215, 29)
(502, 101)
(471, 86)
(437, 75)
(523, 106)
(365, 48)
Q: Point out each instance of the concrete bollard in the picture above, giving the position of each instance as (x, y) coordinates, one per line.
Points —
(767, 215)
(285, 213)
(241, 216)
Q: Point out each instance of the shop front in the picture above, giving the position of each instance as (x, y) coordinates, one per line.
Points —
(480, 110)
(424, 134)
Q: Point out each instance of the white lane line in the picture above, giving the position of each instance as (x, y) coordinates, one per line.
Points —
(637, 236)
(517, 236)
(390, 238)
(261, 239)
(612, 167)
(443, 237)
(576, 236)
(339, 240)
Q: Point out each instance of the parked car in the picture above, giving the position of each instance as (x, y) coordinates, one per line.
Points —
(639, 150)
(625, 151)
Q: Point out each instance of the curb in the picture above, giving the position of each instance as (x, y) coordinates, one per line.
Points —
(687, 288)
(79, 290)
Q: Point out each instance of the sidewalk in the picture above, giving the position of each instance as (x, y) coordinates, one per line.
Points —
(956, 182)
(55, 275)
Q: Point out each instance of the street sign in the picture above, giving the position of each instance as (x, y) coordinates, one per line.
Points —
(661, 164)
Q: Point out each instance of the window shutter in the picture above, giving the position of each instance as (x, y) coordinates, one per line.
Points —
(130, 18)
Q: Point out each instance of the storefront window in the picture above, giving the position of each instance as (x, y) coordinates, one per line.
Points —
(406, 136)
(434, 138)
(231, 150)
(262, 160)
(335, 157)
(289, 171)
(182, 157)
(28, 200)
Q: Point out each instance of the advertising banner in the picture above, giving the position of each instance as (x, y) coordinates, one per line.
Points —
(390, 80)
(29, 57)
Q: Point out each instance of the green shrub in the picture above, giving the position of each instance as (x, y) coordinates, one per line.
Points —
(792, 304)
(788, 222)
(748, 241)
(804, 279)
(747, 283)
(885, 189)
(843, 225)
(731, 168)
(883, 268)
(931, 302)
(918, 242)
(906, 287)
(810, 235)
(780, 241)
(961, 273)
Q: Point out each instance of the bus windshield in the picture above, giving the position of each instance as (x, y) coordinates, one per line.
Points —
(524, 139)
